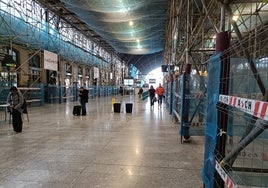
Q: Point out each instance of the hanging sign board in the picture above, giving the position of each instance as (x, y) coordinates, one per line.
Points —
(152, 81)
(96, 72)
(50, 60)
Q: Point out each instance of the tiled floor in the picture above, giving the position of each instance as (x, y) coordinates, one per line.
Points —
(102, 149)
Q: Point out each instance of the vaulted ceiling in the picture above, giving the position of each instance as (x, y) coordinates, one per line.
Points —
(134, 29)
(138, 30)
(130, 27)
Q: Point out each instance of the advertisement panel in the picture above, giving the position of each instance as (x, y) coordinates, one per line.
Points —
(50, 60)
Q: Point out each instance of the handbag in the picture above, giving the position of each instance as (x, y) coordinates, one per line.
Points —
(24, 107)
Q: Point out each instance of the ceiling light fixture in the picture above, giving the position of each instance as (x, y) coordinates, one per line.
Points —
(131, 23)
(235, 18)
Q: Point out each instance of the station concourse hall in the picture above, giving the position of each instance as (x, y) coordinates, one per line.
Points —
(141, 149)
(134, 94)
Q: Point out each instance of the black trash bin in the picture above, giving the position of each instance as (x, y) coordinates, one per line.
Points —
(117, 107)
(129, 107)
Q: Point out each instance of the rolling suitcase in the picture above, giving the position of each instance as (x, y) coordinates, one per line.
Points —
(77, 110)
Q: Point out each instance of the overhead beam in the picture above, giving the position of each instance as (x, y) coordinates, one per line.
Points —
(247, 1)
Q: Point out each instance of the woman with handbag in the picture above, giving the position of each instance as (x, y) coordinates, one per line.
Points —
(15, 99)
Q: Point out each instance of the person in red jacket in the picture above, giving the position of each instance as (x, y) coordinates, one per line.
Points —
(160, 93)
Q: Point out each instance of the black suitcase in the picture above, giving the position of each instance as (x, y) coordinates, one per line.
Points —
(77, 110)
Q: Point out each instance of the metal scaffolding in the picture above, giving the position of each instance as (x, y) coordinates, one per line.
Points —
(193, 31)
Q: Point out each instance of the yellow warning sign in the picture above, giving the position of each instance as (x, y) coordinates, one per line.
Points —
(113, 101)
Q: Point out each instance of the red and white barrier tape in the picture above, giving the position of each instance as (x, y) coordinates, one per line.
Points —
(253, 107)
(224, 176)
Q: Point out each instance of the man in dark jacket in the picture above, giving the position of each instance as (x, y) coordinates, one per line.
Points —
(83, 94)
(152, 95)
(140, 92)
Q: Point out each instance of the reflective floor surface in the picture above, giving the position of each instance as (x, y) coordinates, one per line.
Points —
(141, 149)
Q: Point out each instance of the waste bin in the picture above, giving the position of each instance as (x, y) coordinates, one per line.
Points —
(129, 107)
(117, 107)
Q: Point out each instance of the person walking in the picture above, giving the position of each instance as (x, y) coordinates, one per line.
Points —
(83, 94)
(140, 92)
(15, 99)
(160, 93)
(121, 90)
(152, 96)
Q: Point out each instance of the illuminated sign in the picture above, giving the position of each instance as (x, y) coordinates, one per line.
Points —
(128, 82)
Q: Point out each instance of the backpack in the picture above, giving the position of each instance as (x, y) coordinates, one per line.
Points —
(24, 106)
